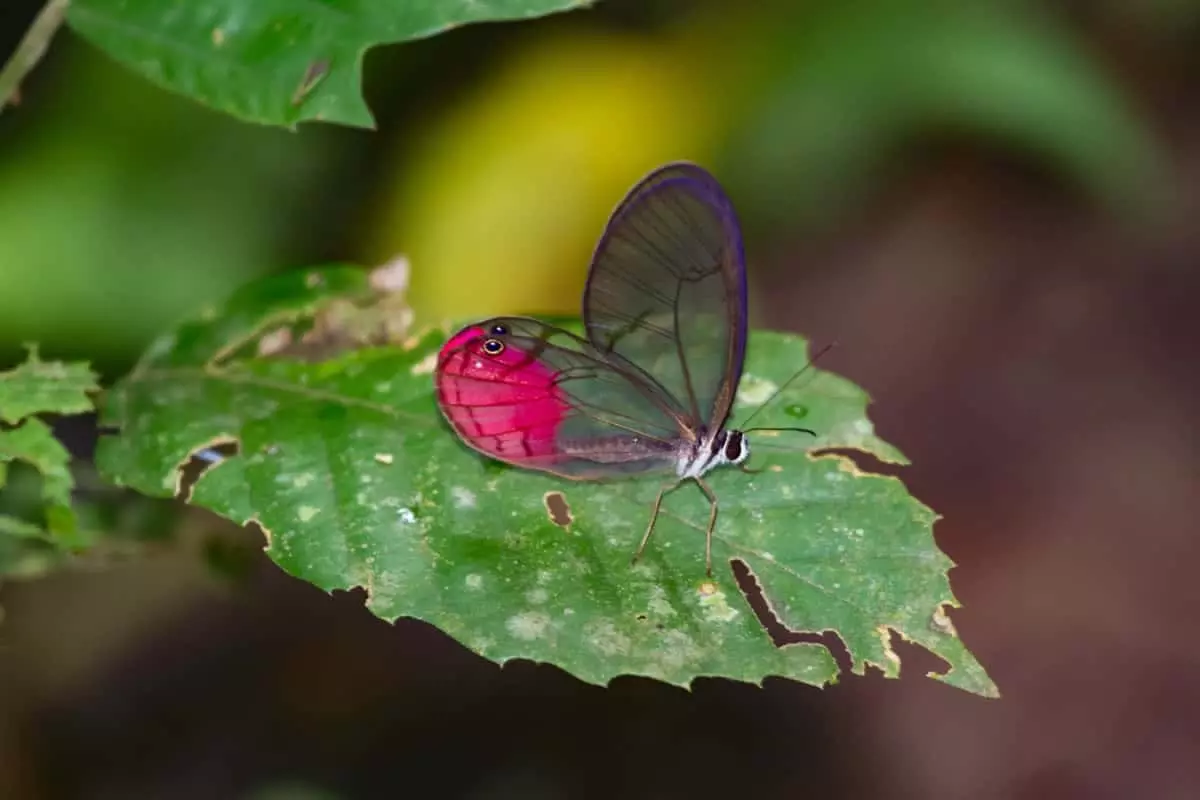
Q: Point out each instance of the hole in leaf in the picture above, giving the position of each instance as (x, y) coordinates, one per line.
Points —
(781, 634)
(202, 459)
(916, 659)
(863, 461)
(557, 509)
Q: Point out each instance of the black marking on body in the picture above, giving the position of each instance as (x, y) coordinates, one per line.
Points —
(733, 444)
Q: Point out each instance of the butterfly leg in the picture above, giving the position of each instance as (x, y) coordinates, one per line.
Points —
(653, 519)
(749, 471)
(712, 523)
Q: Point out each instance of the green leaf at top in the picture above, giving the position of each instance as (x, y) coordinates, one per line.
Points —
(349, 469)
(275, 61)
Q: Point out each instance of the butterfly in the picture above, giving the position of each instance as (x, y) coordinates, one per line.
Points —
(649, 387)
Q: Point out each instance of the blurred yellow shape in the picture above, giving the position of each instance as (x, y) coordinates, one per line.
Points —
(501, 202)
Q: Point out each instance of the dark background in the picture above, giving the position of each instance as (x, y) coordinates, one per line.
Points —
(993, 212)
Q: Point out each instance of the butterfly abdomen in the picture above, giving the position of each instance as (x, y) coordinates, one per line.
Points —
(617, 449)
(500, 401)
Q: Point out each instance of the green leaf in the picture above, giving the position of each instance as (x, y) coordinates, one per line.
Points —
(276, 61)
(20, 529)
(26, 550)
(38, 386)
(349, 469)
(43, 387)
(33, 442)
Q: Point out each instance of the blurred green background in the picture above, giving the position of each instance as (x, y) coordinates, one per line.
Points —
(990, 205)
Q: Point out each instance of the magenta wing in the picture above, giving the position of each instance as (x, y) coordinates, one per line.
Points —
(539, 397)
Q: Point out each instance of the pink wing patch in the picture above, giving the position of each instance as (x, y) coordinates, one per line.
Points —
(506, 404)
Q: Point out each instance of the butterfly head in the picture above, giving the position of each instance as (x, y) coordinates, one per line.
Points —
(724, 447)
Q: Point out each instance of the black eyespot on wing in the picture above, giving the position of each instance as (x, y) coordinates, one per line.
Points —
(499, 330)
(493, 347)
(717, 443)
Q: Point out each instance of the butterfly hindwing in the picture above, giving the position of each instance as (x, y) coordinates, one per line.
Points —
(539, 397)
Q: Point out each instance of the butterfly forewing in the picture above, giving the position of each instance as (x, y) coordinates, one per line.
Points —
(547, 400)
(666, 296)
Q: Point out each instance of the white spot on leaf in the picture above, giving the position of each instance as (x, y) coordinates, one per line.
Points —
(463, 497)
(474, 581)
(304, 479)
(537, 596)
(425, 365)
(528, 625)
(305, 513)
(659, 605)
(384, 458)
(406, 516)
(604, 636)
(755, 391)
(716, 607)
(678, 649)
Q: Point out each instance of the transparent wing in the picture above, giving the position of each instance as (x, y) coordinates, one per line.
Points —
(666, 293)
(547, 400)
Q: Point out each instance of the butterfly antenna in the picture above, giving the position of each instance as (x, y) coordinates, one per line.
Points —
(797, 430)
(780, 390)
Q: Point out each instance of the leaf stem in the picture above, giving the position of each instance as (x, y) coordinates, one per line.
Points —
(30, 50)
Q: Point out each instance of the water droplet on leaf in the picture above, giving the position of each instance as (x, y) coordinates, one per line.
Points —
(796, 411)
